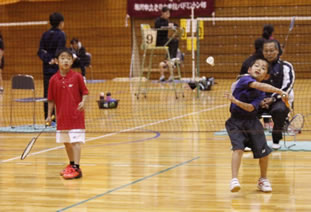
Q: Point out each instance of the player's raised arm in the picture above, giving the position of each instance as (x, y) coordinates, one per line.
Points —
(267, 88)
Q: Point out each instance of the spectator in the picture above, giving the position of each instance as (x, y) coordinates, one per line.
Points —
(81, 58)
(1, 62)
(258, 52)
(267, 34)
(282, 76)
(50, 42)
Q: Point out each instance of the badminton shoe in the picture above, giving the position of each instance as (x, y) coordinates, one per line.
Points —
(162, 78)
(264, 185)
(72, 173)
(64, 170)
(276, 146)
(247, 149)
(235, 185)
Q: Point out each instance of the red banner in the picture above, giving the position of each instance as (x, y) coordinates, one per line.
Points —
(178, 8)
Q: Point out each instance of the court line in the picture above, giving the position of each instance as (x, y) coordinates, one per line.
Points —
(128, 184)
(122, 131)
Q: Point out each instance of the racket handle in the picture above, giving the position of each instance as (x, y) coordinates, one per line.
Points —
(48, 123)
(286, 102)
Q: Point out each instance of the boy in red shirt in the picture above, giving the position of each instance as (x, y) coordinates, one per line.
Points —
(68, 93)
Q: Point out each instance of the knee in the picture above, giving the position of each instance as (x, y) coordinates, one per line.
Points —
(280, 112)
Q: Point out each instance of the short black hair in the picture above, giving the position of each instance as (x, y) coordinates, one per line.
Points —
(258, 44)
(165, 9)
(267, 31)
(62, 50)
(56, 18)
(74, 40)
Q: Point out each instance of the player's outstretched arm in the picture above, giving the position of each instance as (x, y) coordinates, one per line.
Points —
(268, 88)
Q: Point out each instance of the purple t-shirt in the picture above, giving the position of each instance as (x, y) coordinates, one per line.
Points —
(246, 94)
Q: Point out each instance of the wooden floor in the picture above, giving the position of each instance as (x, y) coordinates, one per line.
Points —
(153, 154)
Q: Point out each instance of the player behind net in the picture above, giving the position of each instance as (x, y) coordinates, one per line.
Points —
(243, 127)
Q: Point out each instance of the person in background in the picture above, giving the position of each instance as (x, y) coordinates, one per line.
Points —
(258, 52)
(282, 76)
(162, 35)
(1, 62)
(267, 34)
(164, 65)
(81, 58)
(50, 42)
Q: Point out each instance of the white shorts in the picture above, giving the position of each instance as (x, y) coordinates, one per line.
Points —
(70, 136)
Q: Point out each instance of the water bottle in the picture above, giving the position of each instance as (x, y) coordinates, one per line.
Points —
(102, 96)
(108, 97)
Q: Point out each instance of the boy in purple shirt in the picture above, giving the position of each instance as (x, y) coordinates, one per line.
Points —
(243, 127)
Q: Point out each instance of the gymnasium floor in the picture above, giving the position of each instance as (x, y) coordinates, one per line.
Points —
(153, 154)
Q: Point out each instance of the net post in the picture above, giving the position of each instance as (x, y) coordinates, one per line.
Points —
(198, 55)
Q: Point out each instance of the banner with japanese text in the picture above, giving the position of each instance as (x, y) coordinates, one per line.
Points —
(178, 8)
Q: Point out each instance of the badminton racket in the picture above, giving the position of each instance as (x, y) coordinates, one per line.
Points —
(33, 141)
(296, 123)
(291, 26)
(285, 100)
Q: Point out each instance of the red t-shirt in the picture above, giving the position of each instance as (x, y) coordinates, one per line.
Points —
(66, 92)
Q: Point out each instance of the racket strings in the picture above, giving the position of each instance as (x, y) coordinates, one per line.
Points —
(28, 148)
(296, 124)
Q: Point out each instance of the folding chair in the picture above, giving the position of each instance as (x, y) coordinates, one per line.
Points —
(24, 82)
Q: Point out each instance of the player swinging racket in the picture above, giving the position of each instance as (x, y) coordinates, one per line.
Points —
(68, 93)
(243, 127)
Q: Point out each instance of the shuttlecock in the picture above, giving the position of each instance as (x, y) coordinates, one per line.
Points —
(210, 60)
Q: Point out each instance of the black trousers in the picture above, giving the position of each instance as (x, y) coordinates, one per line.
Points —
(82, 63)
(46, 80)
(172, 46)
(279, 113)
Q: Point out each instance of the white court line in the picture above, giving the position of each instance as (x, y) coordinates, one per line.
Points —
(277, 18)
(121, 131)
(29, 23)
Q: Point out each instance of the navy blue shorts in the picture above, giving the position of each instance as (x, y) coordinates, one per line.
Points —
(248, 133)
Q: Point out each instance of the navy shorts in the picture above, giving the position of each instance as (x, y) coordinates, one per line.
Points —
(248, 133)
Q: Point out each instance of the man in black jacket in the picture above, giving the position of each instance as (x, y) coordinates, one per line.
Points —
(50, 42)
(282, 76)
(162, 35)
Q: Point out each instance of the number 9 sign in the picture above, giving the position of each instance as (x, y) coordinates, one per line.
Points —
(150, 36)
